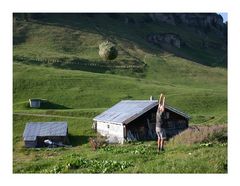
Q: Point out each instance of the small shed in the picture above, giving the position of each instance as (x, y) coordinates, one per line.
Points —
(36, 132)
(136, 120)
(35, 103)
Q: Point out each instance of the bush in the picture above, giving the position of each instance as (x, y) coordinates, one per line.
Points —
(107, 50)
(97, 142)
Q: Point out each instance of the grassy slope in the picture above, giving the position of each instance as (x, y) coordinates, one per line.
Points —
(96, 92)
(196, 89)
(142, 157)
(71, 36)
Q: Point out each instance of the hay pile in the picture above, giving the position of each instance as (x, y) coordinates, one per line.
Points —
(108, 51)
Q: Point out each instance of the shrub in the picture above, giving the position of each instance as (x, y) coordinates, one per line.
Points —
(97, 142)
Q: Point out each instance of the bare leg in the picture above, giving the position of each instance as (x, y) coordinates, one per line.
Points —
(159, 144)
(162, 144)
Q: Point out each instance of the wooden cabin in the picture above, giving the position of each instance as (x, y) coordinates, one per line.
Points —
(136, 120)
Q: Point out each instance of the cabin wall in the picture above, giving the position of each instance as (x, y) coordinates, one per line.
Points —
(143, 128)
(175, 124)
(30, 144)
(114, 132)
(35, 104)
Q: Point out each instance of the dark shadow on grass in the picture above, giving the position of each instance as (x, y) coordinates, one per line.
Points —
(136, 70)
(77, 140)
(45, 104)
(51, 105)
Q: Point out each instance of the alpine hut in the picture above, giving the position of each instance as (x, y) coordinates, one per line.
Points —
(136, 120)
(35, 103)
(36, 132)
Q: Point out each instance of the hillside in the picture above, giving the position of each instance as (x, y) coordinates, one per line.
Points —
(74, 38)
(92, 90)
(55, 57)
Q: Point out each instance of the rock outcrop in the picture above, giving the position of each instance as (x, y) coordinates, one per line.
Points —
(206, 21)
(163, 39)
(163, 17)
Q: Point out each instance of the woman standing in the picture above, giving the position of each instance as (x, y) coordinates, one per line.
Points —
(159, 123)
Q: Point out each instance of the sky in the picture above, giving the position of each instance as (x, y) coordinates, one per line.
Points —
(224, 16)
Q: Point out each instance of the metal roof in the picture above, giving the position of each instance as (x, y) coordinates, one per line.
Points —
(34, 129)
(127, 110)
(177, 111)
(35, 99)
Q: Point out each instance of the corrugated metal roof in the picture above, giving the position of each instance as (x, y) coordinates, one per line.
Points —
(127, 110)
(34, 129)
(177, 111)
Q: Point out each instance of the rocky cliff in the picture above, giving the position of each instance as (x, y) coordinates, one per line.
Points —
(208, 21)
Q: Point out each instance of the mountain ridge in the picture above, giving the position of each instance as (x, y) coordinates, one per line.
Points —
(198, 37)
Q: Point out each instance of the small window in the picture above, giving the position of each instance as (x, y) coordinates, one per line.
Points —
(108, 126)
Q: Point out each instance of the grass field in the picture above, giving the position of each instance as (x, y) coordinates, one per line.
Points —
(97, 92)
(77, 94)
(138, 157)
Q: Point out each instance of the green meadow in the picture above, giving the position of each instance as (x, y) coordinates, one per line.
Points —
(47, 64)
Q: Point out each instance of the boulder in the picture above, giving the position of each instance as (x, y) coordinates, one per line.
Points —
(108, 51)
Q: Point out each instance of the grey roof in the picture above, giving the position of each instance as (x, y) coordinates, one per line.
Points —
(35, 99)
(127, 110)
(34, 129)
(177, 111)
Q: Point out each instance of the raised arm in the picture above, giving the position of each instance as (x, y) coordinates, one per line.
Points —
(162, 106)
(160, 99)
(163, 103)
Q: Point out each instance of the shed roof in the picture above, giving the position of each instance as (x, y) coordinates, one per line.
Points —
(127, 110)
(35, 99)
(34, 129)
(177, 111)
